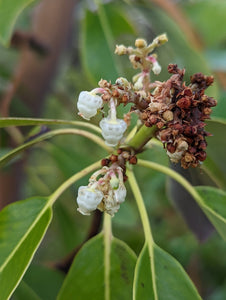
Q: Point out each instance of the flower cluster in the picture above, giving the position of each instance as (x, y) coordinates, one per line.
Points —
(179, 112)
(89, 103)
(105, 191)
(142, 58)
(175, 110)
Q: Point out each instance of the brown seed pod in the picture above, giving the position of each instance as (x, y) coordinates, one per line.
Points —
(144, 116)
(125, 99)
(171, 148)
(201, 155)
(133, 160)
(184, 103)
(167, 115)
(105, 162)
(113, 158)
(115, 93)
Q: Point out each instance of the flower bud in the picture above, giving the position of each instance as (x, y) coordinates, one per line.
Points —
(120, 50)
(88, 104)
(112, 130)
(156, 68)
(167, 115)
(135, 61)
(161, 39)
(88, 199)
(140, 43)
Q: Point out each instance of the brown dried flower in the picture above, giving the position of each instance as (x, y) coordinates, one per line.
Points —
(179, 111)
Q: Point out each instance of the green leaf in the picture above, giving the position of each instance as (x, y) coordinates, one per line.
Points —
(214, 206)
(100, 31)
(9, 11)
(166, 280)
(209, 20)
(22, 227)
(44, 281)
(86, 278)
(25, 292)
(219, 110)
(215, 164)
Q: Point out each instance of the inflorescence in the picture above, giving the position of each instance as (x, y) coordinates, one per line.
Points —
(176, 110)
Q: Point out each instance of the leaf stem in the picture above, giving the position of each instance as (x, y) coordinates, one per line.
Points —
(107, 253)
(142, 137)
(141, 207)
(145, 222)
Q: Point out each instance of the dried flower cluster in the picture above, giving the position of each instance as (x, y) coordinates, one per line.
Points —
(179, 112)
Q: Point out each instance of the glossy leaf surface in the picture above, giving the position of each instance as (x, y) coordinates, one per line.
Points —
(208, 18)
(215, 163)
(165, 280)
(214, 207)
(86, 278)
(22, 227)
(100, 31)
(25, 292)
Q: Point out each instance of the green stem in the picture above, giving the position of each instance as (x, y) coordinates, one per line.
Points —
(145, 222)
(107, 253)
(71, 181)
(176, 176)
(6, 122)
(142, 137)
(141, 207)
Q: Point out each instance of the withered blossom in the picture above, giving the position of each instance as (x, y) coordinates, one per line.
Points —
(179, 112)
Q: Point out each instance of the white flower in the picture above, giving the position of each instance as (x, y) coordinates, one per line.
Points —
(88, 199)
(112, 130)
(120, 194)
(88, 104)
(156, 68)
